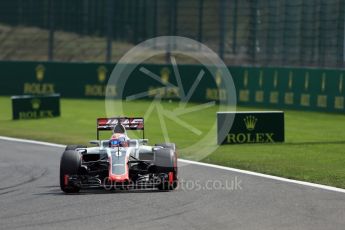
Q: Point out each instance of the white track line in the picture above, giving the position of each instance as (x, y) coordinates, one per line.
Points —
(31, 142)
(320, 186)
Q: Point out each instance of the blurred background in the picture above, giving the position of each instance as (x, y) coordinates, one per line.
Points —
(304, 33)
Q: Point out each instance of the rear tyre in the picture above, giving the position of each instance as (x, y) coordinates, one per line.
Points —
(69, 165)
(146, 155)
(165, 161)
(74, 147)
(171, 146)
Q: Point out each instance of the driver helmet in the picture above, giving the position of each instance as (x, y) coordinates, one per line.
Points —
(118, 140)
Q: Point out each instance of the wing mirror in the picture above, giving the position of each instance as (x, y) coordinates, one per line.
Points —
(143, 141)
(95, 142)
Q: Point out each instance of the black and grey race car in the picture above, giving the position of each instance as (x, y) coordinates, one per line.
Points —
(119, 162)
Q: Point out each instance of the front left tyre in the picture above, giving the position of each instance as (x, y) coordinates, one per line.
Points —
(74, 147)
(69, 166)
(165, 161)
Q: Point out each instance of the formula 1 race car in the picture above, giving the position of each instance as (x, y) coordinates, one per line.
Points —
(119, 162)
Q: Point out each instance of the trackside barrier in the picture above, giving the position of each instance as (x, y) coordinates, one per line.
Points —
(250, 127)
(283, 88)
(33, 107)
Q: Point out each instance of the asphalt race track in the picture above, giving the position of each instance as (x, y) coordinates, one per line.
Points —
(30, 198)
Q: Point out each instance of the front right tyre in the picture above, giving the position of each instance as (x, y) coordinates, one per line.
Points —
(74, 147)
(69, 166)
(165, 161)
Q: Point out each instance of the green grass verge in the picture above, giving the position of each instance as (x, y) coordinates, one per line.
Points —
(314, 150)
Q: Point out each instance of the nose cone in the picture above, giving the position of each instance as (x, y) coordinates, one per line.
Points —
(118, 171)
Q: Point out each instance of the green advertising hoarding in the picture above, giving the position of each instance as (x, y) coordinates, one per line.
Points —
(304, 89)
(34, 107)
(71, 80)
(250, 127)
(284, 88)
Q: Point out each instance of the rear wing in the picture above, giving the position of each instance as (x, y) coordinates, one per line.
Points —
(130, 123)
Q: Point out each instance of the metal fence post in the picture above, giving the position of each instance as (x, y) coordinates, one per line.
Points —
(136, 15)
(172, 15)
(175, 7)
(322, 29)
(154, 21)
(271, 32)
(254, 14)
(51, 31)
(144, 28)
(20, 12)
(109, 23)
(85, 17)
(222, 28)
(155, 13)
(201, 16)
(341, 35)
(313, 56)
(234, 27)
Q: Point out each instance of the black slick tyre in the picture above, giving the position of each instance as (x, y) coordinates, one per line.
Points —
(74, 147)
(69, 165)
(165, 161)
(168, 146)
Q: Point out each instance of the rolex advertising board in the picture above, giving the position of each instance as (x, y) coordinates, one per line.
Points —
(159, 81)
(70, 80)
(251, 127)
(275, 87)
(33, 107)
(293, 88)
